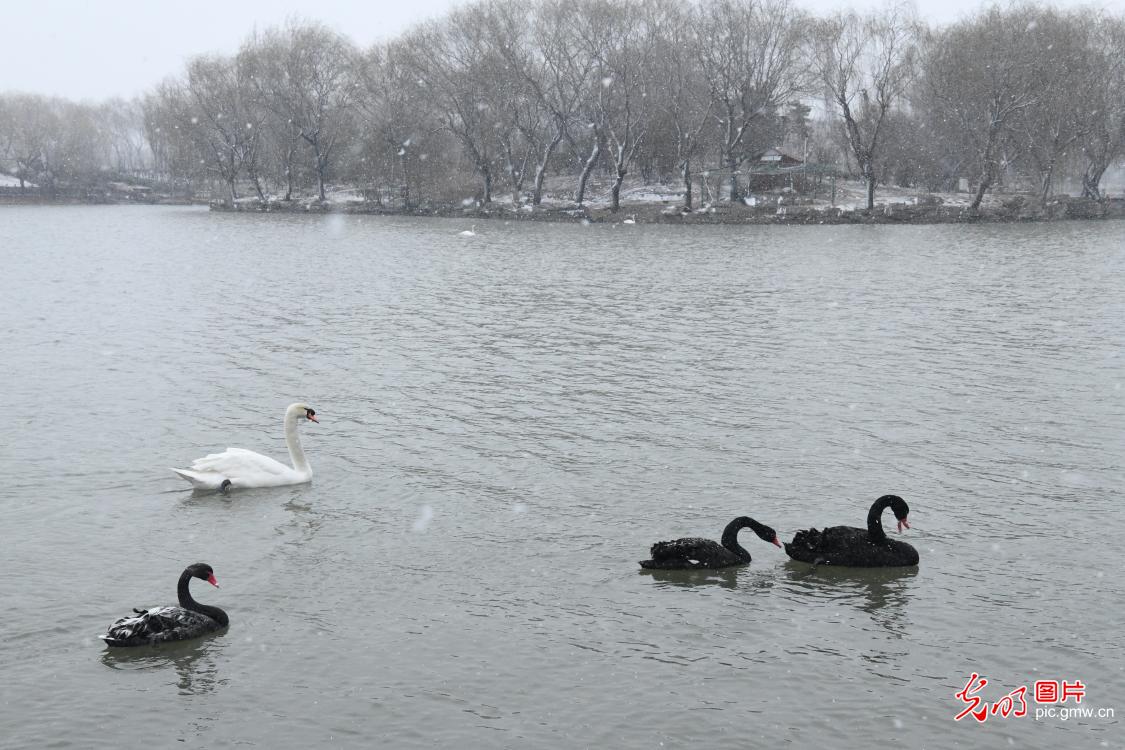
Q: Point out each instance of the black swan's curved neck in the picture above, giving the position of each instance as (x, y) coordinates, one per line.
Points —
(874, 518)
(187, 602)
(730, 537)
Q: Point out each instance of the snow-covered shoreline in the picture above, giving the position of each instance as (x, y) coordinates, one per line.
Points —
(1012, 209)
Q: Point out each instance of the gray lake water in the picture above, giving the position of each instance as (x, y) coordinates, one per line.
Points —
(508, 421)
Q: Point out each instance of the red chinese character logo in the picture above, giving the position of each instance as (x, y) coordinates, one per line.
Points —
(1007, 704)
(1046, 691)
(1077, 691)
(1015, 702)
(969, 695)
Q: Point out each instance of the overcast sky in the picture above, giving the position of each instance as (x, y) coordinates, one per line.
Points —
(105, 48)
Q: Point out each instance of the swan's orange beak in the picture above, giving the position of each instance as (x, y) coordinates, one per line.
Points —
(211, 580)
(902, 523)
(312, 418)
(777, 542)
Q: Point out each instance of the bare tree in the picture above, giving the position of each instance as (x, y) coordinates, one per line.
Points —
(262, 60)
(752, 64)
(677, 86)
(305, 76)
(560, 74)
(452, 65)
(617, 38)
(520, 124)
(977, 74)
(79, 145)
(516, 98)
(540, 51)
(1104, 141)
(7, 128)
(865, 64)
(120, 126)
(32, 127)
(212, 106)
(591, 124)
(392, 107)
(1065, 66)
(174, 153)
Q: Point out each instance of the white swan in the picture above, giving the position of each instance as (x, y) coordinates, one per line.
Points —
(238, 467)
(469, 232)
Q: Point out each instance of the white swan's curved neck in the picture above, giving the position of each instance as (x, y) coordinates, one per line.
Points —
(293, 441)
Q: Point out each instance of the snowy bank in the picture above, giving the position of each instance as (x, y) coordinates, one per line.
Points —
(1010, 209)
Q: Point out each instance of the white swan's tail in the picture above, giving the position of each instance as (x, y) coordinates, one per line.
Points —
(199, 480)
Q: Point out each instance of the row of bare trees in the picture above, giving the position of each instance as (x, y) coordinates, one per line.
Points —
(51, 142)
(503, 93)
(1029, 90)
(275, 115)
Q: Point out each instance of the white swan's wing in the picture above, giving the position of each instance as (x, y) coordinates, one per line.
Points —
(201, 480)
(239, 462)
(243, 468)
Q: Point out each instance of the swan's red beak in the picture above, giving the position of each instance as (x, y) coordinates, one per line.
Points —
(211, 580)
(777, 542)
(312, 418)
(903, 522)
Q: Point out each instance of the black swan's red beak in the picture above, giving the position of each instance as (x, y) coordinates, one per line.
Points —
(903, 522)
(211, 580)
(776, 542)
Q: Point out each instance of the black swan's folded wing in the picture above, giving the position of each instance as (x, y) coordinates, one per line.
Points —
(682, 548)
(690, 552)
(158, 626)
(849, 546)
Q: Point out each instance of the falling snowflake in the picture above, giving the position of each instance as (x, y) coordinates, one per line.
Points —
(425, 516)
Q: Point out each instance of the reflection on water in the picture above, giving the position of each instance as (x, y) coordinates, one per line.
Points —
(734, 577)
(724, 577)
(880, 592)
(194, 499)
(194, 662)
(300, 524)
(297, 507)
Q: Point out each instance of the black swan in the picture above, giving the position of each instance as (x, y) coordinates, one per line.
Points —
(693, 552)
(189, 620)
(858, 548)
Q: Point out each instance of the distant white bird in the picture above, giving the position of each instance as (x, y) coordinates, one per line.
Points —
(470, 232)
(238, 467)
(630, 219)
